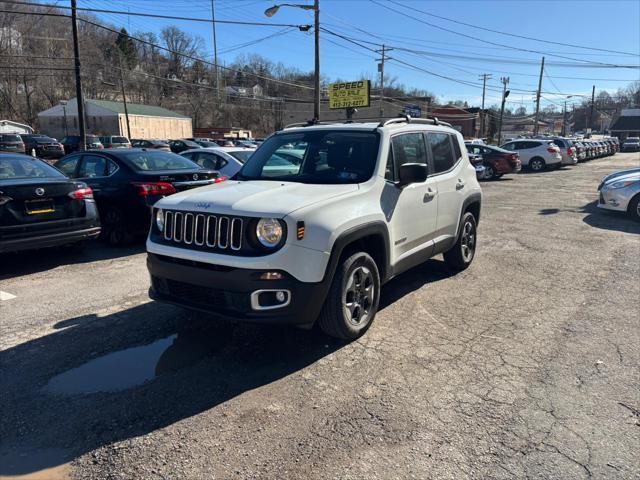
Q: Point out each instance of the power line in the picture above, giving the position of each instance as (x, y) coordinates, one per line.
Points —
(513, 34)
(499, 44)
(167, 17)
(159, 47)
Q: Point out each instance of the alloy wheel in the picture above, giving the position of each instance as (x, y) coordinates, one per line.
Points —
(468, 241)
(358, 296)
(536, 165)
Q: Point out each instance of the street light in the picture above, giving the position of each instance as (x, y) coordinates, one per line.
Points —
(564, 116)
(63, 103)
(271, 11)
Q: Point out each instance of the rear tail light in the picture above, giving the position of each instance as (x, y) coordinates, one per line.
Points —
(551, 150)
(84, 193)
(570, 151)
(154, 188)
(221, 179)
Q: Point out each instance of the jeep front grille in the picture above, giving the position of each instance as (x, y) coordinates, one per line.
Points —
(215, 231)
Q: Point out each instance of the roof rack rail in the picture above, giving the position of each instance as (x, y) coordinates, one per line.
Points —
(409, 119)
(387, 121)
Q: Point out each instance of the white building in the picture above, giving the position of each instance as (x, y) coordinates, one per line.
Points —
(8, 126)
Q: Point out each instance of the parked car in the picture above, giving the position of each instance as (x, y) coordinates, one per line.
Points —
(631, 144)
(178, 146)
(40, 207)
(11, 142)
(581, 150)
(535, 154)
(44, 147)
(225, 143)
(71, 143)
(497, 161)
(114, 141)
(567, 150)
(477, 163)
(368, 201)
(246, 144)
(206, 143)
(227, 161)
(151, 144)
(127, 182)
(620, 191)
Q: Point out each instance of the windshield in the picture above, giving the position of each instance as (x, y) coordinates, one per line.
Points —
(26, 167)
(159, 160)
(119, 140)
(318, 156)
(241, 155)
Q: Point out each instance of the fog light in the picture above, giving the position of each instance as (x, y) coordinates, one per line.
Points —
(271, 276)
(280, 296)
(270, 299)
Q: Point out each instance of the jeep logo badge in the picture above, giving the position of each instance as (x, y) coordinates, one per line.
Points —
(195, 176)
(40, 191)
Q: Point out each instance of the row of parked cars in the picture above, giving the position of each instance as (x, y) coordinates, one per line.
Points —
(46, 147)
(535, 154)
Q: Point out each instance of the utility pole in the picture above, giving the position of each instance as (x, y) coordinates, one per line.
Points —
(124, 97)
(215, 48)
(564, 120)
(76, 57)
(381, 70)
(485, 77)
(535, 126)
(593, 101)
(505, 94)
(316, 80)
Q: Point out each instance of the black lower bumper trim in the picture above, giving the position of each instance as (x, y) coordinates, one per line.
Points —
(48, 240)
(226, 291)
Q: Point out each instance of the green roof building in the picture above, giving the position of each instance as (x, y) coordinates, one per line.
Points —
(106, 117)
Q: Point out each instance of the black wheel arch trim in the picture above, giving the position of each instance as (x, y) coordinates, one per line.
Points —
(346, 238)
(475, 197)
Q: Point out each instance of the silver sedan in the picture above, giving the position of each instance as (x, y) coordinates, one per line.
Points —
(620, 191)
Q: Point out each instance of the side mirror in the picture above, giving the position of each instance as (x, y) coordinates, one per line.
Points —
(412, 173)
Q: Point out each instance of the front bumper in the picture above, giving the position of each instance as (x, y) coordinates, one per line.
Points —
(614, 199)
(226, 291)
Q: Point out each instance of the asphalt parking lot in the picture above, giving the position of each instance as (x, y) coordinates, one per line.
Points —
(524, 366)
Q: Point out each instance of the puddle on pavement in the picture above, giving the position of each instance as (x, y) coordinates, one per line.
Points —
(35, 464)
(131, 367)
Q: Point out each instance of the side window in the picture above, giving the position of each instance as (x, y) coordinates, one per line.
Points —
(558, 142)
(190, 156)
(409, 148)
(112, 167)
(456, 148)
(207, 160)
(509, 146)
(221, 162)
(442, 151)
(92, 166)
(474, 149)
(68, 166)
(390, 170)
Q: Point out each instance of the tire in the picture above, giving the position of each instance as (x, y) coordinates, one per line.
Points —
(633, 210)
(114, 228)
(537, 164)
(490, 172)
(352, 301)
(460, 256)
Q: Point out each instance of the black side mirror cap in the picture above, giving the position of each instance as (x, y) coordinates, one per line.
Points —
(412, 173)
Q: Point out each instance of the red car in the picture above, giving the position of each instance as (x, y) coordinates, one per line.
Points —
(497, 161)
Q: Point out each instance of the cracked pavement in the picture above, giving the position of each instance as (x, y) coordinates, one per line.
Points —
(524, 366)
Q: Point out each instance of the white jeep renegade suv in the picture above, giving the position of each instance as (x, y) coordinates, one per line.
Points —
(316, 221)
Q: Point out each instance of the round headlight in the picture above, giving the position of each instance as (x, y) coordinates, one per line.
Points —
(269, 232)
(160, 219)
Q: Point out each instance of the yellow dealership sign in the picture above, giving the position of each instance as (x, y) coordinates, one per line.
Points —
(349, 94)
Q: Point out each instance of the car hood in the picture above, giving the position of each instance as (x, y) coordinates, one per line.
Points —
(630, 174)
(254, 198)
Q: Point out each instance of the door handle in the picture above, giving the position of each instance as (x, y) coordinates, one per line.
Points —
(460, 185)
(429, 195)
